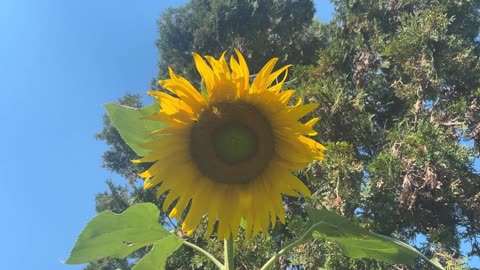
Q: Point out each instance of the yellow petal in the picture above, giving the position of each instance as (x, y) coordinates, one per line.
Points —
(179, 207)
(197, 209)
(177, 171)
(206, 73)
(243, 67)
(261, 81)
(184, 90)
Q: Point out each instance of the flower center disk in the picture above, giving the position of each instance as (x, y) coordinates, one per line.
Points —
(235, 143)
(231, 143)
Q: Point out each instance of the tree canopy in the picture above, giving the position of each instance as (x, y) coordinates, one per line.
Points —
(260, 29)
(398, 83)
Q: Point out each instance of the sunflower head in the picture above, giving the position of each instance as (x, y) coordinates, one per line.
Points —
(229, 154)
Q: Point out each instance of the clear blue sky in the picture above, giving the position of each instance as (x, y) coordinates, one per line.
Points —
(59, 62)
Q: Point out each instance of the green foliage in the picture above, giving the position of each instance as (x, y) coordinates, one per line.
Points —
(118, 235)
(260, 29)
(398, 84)
(356, 242)
(132, 125)
(109, 264)
(343, 111)
(337, 179)
(161, 250)
(115, 200)
(119, 155)
(252, 253)
(424, 157)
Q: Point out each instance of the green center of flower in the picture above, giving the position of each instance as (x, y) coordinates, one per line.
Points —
(232, 143)
(235, 143)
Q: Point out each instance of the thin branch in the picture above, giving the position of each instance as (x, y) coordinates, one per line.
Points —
(171, 222)
(204, 252)
(287, 248)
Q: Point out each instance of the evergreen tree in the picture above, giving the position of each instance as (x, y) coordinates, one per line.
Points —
(260, 29)
(119, 155)
(398, 84)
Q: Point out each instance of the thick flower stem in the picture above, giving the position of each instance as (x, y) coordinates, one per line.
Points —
(229, 258)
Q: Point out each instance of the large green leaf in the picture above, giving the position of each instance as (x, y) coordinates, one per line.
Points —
(117, 235)
(132, 126)
(357, 242)
(157, 257)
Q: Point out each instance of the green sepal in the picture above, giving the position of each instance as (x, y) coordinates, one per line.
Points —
(357, 242)
(157, 257)
(132, 125)
(203, 89)
(118, 235)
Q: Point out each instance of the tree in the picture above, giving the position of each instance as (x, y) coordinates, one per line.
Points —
(398, 84)
(260, 29)
(119, 155)
(118, 198)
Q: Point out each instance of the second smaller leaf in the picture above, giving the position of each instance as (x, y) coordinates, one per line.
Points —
(357, 242)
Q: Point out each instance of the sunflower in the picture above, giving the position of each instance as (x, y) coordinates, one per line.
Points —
(230, 152)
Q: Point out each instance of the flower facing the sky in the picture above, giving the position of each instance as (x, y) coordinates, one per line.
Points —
(229, 153)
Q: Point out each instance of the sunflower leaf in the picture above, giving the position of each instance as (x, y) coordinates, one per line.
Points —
(132, 126)
(357, 242)
(118, 235)
(203, 89)
(157, 257)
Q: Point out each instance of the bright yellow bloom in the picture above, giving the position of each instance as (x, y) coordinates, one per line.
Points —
(230, 154)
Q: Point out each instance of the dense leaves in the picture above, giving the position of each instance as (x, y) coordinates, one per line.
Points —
(260, 29)
(119, 155)
(398, 84)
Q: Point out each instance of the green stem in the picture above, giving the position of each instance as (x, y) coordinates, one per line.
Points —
(287, 248)
(215, 261)
(229, 258)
